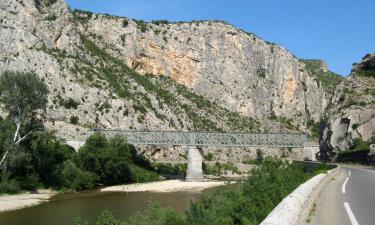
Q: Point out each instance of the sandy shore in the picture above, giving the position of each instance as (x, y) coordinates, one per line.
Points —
(165, 186)
(13, 202)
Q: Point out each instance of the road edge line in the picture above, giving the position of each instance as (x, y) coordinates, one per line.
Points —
(350, 213)
(343, 188)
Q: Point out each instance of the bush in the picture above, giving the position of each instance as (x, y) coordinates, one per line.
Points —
(74, 120)
(246, 203)
(73, 178)
(139, 174)
(166, 168)
(125, 23)
(259, 156)
(113, 161)
(9, 186)
(69, 103)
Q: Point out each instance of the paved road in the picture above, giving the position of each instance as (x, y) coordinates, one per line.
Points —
(349, 199)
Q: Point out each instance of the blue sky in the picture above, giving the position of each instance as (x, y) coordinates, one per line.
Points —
(340, 32)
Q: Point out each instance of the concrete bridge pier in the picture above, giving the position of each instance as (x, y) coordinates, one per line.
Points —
(310, 150)
(194, 167)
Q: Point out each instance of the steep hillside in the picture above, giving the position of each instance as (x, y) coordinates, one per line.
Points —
(198, 76)
(237, 69)
(351, 117)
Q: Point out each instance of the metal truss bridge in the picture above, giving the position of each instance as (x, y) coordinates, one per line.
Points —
(207, 138)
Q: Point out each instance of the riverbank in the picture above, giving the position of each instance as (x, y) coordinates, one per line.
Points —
(165, 186)
(19, 201)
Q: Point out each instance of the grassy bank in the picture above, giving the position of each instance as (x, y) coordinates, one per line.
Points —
(247, 203)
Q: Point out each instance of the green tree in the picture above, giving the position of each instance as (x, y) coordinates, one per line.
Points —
(24, 97)
(113, 161)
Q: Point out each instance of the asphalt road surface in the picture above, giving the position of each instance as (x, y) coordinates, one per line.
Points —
(348, 199)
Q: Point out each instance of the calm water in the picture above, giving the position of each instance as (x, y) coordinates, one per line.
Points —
(62, 209)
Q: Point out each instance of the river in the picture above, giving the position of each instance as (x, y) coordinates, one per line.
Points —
(63, 208)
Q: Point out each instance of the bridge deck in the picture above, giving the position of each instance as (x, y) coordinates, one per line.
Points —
(208, 139)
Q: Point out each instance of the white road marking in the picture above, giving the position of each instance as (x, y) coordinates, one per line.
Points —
(343, 190)
(352, 218)
(349, 173)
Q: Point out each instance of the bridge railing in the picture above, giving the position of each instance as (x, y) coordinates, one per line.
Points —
(207, 138)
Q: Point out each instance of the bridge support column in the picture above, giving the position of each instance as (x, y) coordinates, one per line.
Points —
(310, 150)
(194, 167)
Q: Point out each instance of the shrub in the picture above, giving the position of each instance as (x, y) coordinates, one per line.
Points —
(69, 103)
(74, 120)
(9, 186)
(125, 23)
(142, 25)
(113, 161)
(166, 168)
(247, 203)
(259, 155)
(73, 178)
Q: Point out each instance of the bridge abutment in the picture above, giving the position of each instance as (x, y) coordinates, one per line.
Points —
(310, 150)
(194, 168)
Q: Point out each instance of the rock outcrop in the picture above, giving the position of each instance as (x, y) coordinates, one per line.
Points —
(352, 113)
(240, 71)
(120, 73)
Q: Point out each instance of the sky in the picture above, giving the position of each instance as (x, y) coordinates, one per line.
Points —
(340, 32)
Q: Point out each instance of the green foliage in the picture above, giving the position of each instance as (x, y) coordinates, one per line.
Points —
(22, 94)
(366, 67)
(125, 23)
(246, 203)
(217, 168)
(208, 157)
(261, 72)
(48, 3)
(166, 168)
(196, 108)
(273, 116)
(359, 145)
(74, 120)
(51, 17)
(9, 186)
(259, 157)
(73, 178)
(69, 103)
(82, 16)
(156, 215)
(315, 128)
(355, 126)
(358, 152)
(113, 161)
(141, 25)
(160, 22)
(329, 80)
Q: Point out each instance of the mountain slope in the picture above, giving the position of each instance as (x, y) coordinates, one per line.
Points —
(351, 117)
(204, 75)
(238, 70)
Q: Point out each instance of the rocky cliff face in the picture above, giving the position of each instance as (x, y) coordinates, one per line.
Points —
(118, 73)
(237, 69)
(88, 62)
(352, 113)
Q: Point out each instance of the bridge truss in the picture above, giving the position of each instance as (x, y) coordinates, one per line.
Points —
(207, 138)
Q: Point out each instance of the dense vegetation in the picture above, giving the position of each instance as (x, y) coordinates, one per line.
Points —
(42, 161)
(32, 157)
(358, 152)
(247, 203)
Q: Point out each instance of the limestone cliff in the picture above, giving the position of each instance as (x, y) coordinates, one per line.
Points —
(352, 113)
(240, 71)
(220, 78)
